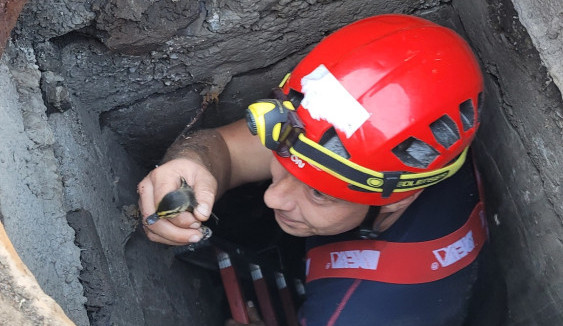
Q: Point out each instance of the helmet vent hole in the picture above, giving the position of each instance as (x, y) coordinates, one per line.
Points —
(295, 97)
(330, 141)
(415, 153)
(445, 131)
(467, 112)
(480, 104)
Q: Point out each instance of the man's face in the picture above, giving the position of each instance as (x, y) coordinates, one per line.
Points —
(303, 211)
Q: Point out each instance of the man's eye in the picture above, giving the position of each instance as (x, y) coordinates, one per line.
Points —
(318, 194)
(320, 197)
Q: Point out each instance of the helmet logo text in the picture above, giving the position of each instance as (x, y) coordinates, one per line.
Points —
(375, 182)
(422, 182)
(456, 251)
(365, 259)
(297, 161)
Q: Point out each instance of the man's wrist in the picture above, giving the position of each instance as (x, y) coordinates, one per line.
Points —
(207, 148)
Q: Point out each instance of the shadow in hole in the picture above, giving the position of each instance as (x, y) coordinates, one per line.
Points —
(248, 232)
(169, 291)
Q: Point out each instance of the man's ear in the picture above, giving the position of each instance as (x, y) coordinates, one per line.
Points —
(402, 204)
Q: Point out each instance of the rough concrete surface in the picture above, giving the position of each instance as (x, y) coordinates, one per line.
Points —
(31, 191)
(93, 91)
(93, 174)
(543, 21)
(47, 19)
(520, 147)
(139, 26)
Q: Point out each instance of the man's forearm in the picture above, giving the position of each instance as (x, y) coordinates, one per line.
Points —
(208, 148)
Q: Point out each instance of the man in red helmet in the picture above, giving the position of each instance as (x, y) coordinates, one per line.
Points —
(366, 144)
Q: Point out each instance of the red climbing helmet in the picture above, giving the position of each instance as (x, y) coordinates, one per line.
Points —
(376, 111)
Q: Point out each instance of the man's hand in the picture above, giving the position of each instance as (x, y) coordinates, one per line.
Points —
(184, 228)
(253, 316)
(211, 161)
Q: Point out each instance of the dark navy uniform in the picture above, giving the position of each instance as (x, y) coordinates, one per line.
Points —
(439, 211)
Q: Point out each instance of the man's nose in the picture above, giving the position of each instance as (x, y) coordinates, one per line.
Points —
(281, 194)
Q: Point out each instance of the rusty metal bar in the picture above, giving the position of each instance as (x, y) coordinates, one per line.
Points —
(287, 301)
(263, 296)
(232, 288)
(9, 12)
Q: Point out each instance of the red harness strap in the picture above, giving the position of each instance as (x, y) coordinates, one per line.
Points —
(401, 262)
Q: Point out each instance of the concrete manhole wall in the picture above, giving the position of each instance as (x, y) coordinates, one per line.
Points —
(92, 92)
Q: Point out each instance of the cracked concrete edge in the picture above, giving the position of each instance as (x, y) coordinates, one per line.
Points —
(97, 174)
(544, 22)
(23, 300)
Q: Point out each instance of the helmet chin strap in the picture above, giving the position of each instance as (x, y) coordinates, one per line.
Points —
(375, 221)
(373, 225)
(370, 230)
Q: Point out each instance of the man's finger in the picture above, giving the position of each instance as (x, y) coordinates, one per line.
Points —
(146, 197)
(205, 188)
(185, 220)
(153, 188)
(253, 315)
(163, 182)
(166, 230)
(157, 238)
(232, 322)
